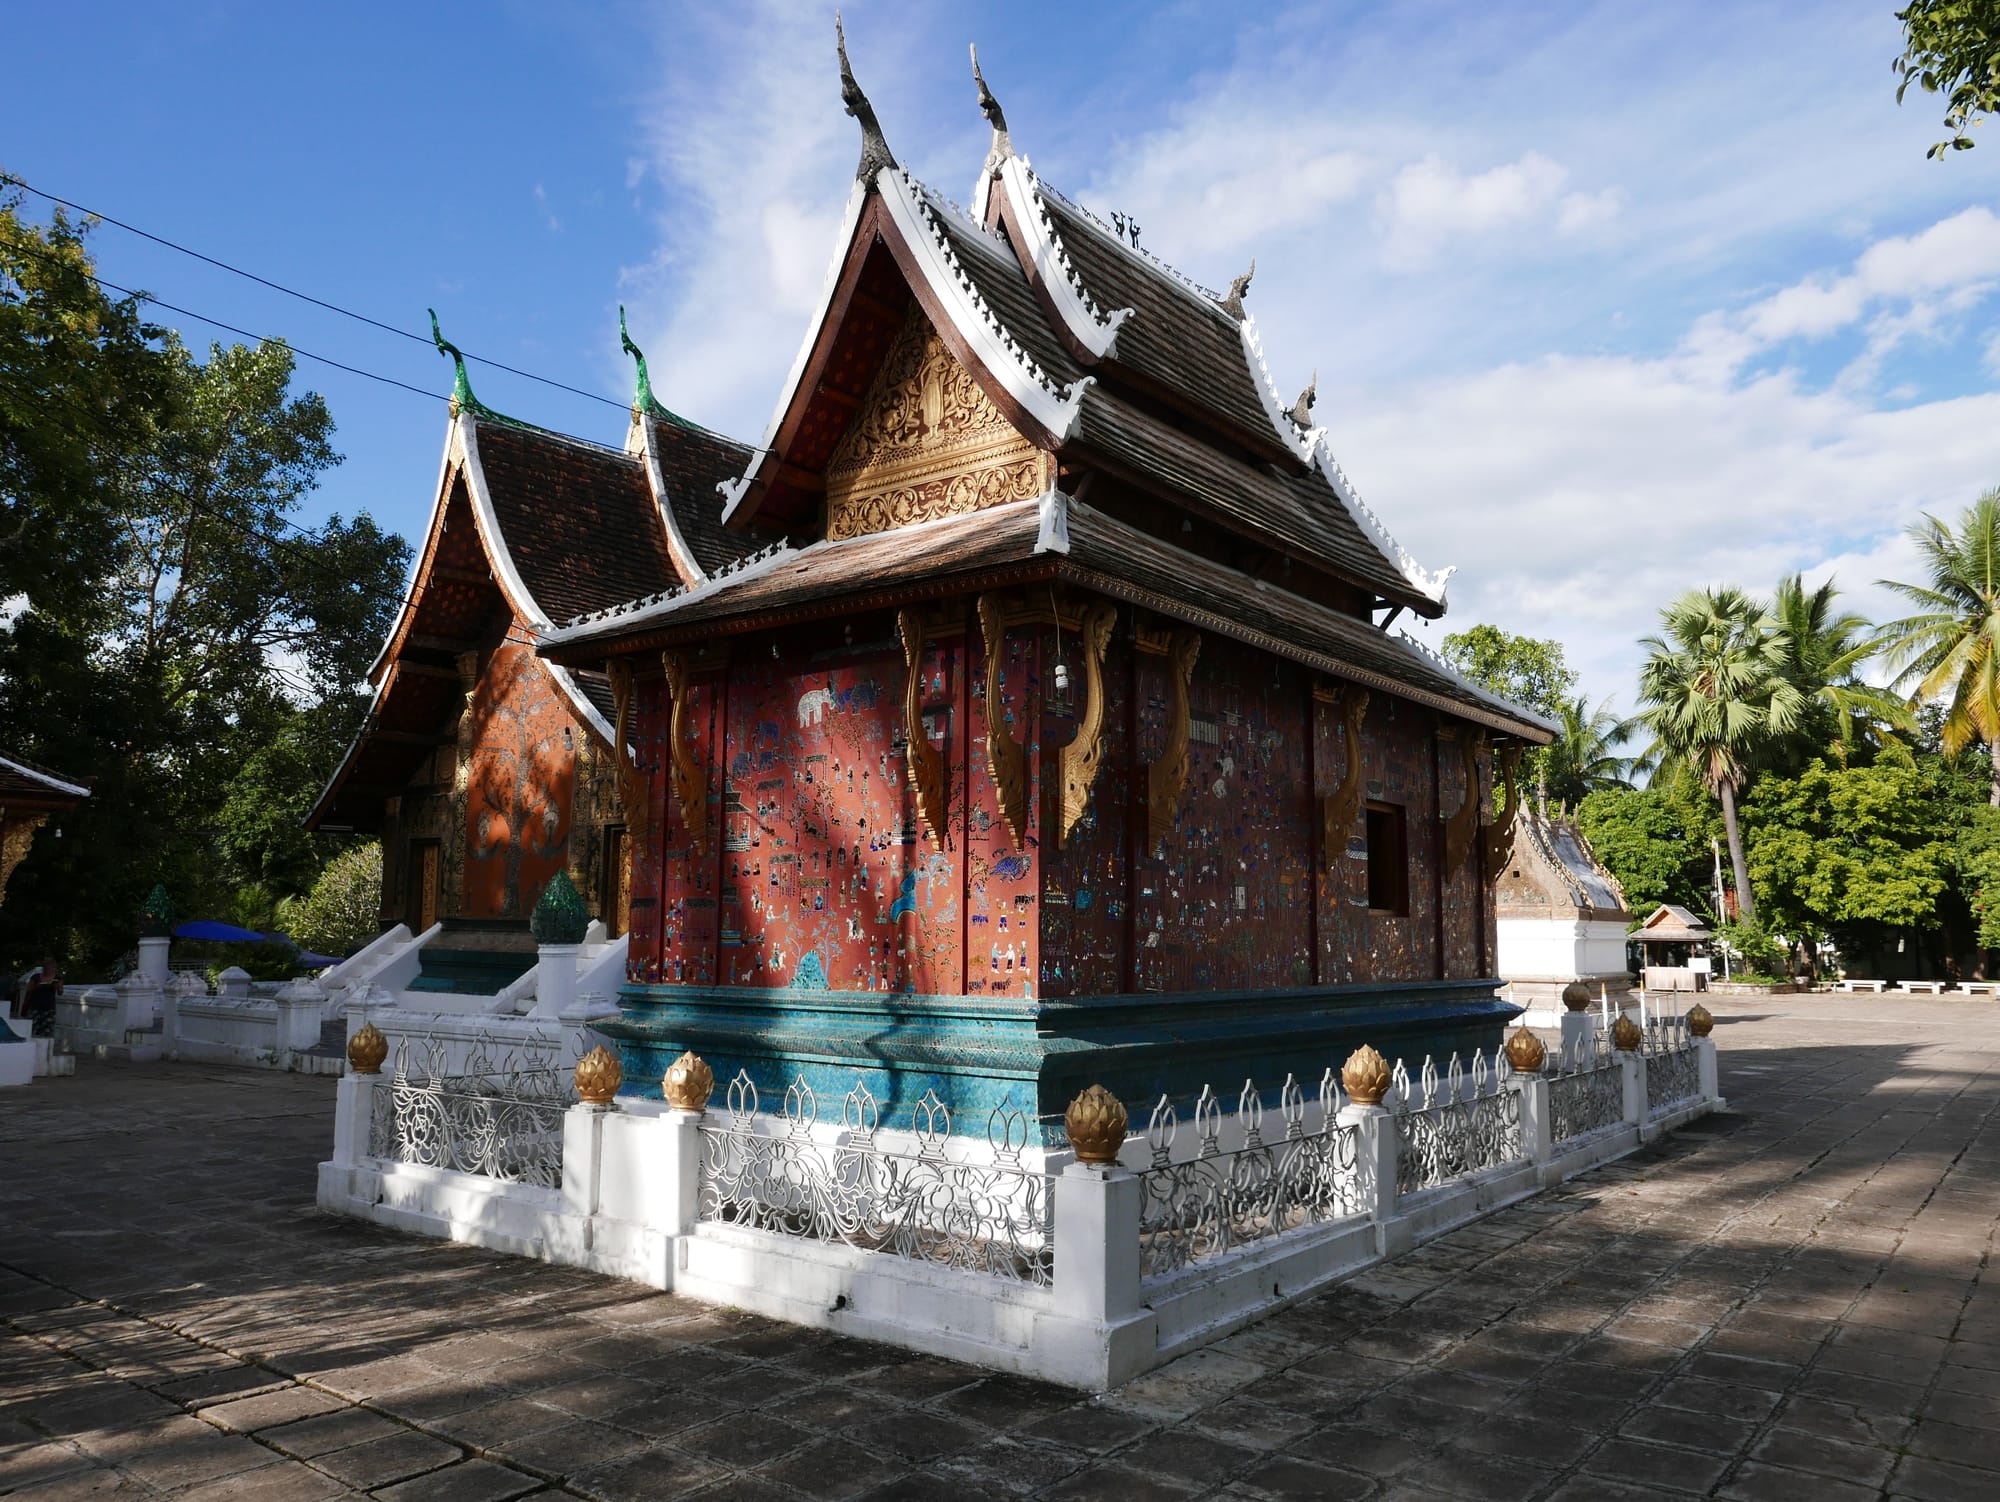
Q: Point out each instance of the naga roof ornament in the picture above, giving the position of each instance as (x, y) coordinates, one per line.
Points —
(1003, 144)
(644, 403)
(1239, 289)
(1302, 409)
(462, 399)
(875, 152)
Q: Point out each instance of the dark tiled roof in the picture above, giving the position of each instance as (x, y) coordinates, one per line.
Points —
(996, 273)
(23, 783)
(692, 462)
(1176, 337)
(578, 519)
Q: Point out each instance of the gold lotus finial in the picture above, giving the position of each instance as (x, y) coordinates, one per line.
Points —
(688, 1083)
(598, 1076)
(1365, 1076)
(1525, 1051)
(1096, 1122)
(1576, 996)
(1625, 1033)
(367, 1049)
(1700, 1021)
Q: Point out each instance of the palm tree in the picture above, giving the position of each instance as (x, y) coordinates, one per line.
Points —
(1582, 759)
(1824, 652)
(1714, 692)
(1949, 647)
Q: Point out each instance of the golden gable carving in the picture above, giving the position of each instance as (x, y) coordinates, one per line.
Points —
(926, 443)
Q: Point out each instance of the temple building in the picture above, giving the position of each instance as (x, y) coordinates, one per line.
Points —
(28, 796)
(1055, 731)
(484, 768)
(1562, 918)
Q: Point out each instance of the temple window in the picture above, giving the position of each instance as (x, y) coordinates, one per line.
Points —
(1388, 859)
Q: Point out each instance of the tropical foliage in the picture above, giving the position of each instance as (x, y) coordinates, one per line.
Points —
(1952, 47)
(339, 915)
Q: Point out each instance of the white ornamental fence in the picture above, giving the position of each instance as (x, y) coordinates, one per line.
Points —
(1084, 1263)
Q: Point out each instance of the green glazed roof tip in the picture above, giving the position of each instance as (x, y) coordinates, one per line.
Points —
(643, 399)
(461, 383)
(560, 916)
(158, 905)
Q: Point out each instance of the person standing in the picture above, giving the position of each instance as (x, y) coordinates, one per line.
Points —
(44, 986)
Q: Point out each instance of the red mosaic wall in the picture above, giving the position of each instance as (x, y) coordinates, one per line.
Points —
(518, 797)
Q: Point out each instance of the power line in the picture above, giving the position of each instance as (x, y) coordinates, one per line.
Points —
(387, 328)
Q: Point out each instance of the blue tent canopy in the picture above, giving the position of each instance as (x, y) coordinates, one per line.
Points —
(227, 933)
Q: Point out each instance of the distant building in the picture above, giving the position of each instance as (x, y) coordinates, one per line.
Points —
(1561, 914)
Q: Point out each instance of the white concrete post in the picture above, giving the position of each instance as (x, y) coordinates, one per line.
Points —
(233, 983)
(1375, 1163)
(1097, 1242)
(353, 1113)
(1634, 1066)
(300, 1006)
(681, 1163)
(1535, 1118)
(1577, 1033)
(555, 979)
(583, 1143)
(1707, 1070)
(153, 959)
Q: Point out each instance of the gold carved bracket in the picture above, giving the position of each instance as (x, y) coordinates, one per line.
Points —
(1339, 807)
(1500, 834)
(688, 777)
(1081, 757)
(633, 794)
(926, 761)
(1461, 827)
(1005, 759)
(1166, 778)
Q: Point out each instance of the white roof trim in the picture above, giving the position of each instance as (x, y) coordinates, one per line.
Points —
(45, 779)
(417, 555)
(641, 611)
(579, 701)
(1054, 534)
(733, 491)
(1094, 330)
(1274, 404)
(509, 577)
(683, 555)
(995, 348)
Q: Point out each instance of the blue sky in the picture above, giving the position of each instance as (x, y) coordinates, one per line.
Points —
(1604, 301)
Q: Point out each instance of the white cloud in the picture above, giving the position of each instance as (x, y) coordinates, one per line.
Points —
(1431, 202)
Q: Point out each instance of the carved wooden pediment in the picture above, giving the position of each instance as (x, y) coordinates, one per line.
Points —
(925, 443)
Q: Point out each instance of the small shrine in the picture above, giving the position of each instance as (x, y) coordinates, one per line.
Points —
(484, 768)
(1675, 944)
(1561, 916)
(1052, 730)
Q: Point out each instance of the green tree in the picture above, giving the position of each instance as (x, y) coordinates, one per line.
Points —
(1824, 651)
(1714, 693)
(1528, 670)
(194, 654)
(1858, 852)
(1952, 47)
(1948, 648)
(1659, 841)
(1583, 758)
(342, 912)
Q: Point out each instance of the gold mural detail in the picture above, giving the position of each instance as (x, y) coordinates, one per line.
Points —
(1080, 758)
(632, 789)
(1005, 759)
(1500, 834)
(20, 834)
(689, 780)
(1461, 826)
(1339, 808)
(1166, 779)
(926, 761)
(927, 442)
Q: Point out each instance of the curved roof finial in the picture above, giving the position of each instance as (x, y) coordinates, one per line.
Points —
(642, 394)
(1003, 145)
(461, 385)
(1239, 288)
(1302, 409)
(875, 153)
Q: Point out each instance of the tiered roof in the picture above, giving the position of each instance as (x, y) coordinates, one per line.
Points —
(530, 526)
(25, 787)
(1117, 365)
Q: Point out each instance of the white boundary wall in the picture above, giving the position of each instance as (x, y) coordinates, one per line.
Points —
(629, 1206)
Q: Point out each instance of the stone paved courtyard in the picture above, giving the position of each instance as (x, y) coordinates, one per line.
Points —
(1789, 1301)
